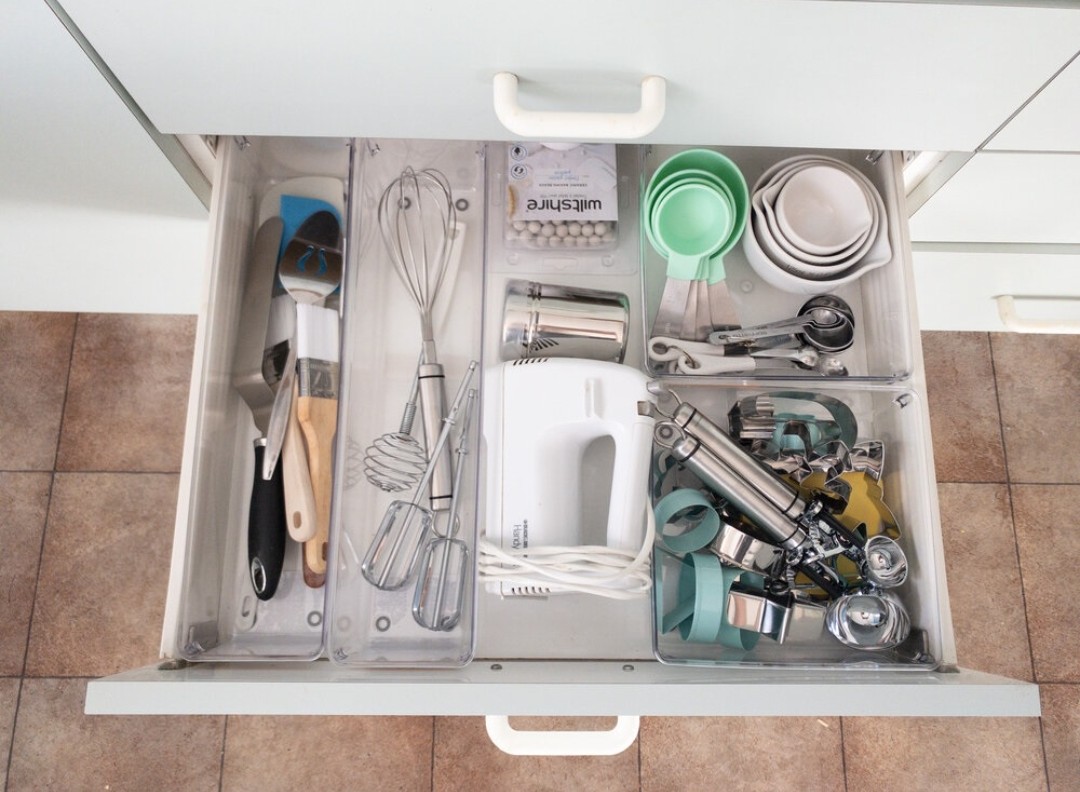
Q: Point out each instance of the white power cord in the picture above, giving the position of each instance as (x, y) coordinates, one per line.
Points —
(587, 569)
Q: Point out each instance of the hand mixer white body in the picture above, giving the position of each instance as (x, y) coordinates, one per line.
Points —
(542, 416)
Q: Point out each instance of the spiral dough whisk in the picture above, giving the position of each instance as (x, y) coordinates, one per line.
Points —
(395, 461)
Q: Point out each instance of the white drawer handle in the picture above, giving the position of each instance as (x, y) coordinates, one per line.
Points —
(562, 743)
(1006, 305)
(541, 125)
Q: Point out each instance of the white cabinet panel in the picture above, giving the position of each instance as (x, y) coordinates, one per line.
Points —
(1051, 122)
(958, 290)
(93, 215)
(802, 73)
(998, 197)
(71, 258)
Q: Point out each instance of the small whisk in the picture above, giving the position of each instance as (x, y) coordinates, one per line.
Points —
(417, 220)
(395, 461)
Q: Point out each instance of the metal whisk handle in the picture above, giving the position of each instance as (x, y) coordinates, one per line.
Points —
(432, 413)
(407, 418)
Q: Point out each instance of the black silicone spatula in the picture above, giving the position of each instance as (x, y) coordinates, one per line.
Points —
(267, 529)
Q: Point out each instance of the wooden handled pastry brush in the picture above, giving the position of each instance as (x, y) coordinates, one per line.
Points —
(316, 410)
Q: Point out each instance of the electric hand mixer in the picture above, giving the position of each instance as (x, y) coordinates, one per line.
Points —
(543, 416)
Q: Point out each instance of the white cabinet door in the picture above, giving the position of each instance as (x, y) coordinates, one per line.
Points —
(805, 73)
(1005, 198)
(1051, 122)
(966, 289)
(93, 215)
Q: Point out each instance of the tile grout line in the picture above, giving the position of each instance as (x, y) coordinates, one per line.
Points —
(11, 743)
(1042, 739)
(41, 554)
(843, 753)
(640, 780)
(1016, 549)
(37, 578)
(48, 508)
(221, 765)
(122, 472)
(1012, 510)
(67, 388)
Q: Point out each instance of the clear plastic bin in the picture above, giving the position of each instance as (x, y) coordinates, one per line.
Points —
(381, 342)
(881, 349)
(220, 617)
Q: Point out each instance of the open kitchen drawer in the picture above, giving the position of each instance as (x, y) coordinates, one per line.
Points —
(570, 655)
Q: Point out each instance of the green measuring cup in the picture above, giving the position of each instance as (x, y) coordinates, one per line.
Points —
(653, 201)
(692, 222)
(692, 162)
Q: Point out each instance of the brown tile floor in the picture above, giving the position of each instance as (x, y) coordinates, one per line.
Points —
(90, 437)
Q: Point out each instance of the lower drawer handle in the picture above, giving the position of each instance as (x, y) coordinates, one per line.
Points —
(1006, 305)
(563, 743)
(544, 125)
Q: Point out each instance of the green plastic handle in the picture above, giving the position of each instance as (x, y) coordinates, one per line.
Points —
(714, 270)
(687, 268)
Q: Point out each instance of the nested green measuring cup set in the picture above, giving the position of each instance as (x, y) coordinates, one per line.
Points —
(694, 210)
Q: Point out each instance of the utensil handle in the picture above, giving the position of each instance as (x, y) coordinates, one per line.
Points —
(683, 267)
(266, 528)
(541, 125)
(318, 421)
(432, 411)
(299, 498)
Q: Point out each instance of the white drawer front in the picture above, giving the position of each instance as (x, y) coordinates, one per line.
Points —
(961, 287)
(834, 75)
(545, 688)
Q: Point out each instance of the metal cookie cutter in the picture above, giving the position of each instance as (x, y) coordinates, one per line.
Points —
(739, 549)
(785, 618)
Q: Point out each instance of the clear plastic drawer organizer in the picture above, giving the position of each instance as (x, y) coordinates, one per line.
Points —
(220, 618)
(383, 613)
(377, 621)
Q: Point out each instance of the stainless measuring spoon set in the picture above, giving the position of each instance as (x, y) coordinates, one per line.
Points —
(824, 327)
